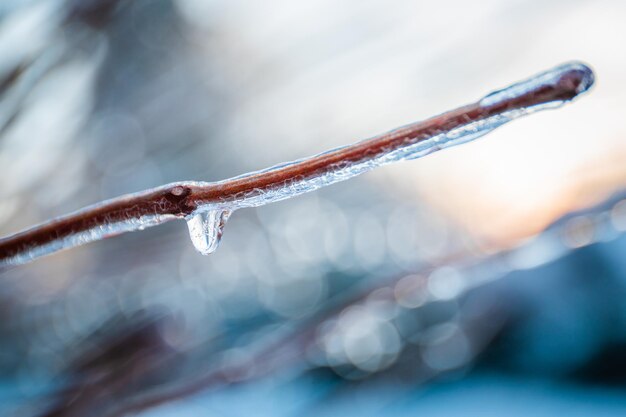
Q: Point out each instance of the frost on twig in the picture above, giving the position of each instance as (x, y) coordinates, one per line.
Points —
(207, 206)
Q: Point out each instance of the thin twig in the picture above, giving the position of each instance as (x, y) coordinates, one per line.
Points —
(186, 199)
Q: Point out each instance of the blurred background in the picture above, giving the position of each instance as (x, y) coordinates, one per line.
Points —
(485, 279)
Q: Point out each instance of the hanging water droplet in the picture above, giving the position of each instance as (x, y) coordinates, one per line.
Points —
(205, 229)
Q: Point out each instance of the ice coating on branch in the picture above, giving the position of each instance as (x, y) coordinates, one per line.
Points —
(341, 172)
(546, 90)
(207, 206)
(569, 79)
(80, 238)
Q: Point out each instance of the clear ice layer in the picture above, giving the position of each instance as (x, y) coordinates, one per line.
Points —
(206, 224)
(457, 136)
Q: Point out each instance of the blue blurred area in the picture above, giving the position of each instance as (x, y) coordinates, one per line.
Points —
(558, 349)
(479, 395)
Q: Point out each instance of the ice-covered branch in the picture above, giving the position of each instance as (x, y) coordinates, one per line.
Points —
(207, 206)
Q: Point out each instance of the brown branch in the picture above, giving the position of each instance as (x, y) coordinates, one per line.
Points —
(180, 200)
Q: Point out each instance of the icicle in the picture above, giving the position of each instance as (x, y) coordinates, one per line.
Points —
(205, 229)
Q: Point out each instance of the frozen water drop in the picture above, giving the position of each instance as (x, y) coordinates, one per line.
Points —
(205, 229)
